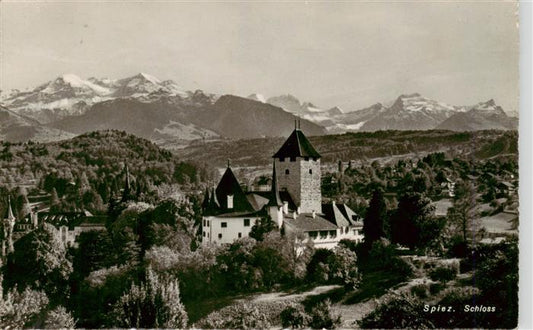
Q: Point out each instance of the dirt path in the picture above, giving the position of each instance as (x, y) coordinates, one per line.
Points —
(280, 296)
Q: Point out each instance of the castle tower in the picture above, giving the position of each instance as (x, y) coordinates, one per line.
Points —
(299, 172)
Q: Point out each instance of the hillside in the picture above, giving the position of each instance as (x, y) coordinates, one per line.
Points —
(15, 128)
(357, 146)
(95, 159)
(158, 120)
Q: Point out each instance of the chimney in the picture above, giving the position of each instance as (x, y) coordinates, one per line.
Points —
(285, 207)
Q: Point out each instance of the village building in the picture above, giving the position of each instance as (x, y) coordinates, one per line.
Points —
(294, 202)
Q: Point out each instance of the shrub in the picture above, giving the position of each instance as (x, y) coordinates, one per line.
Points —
(239, 316)
(420, 290)
(155, 303)
(322, 317)
(443, 274)
(397, 311)
(435, 288)
(294, 317)
(247, 314)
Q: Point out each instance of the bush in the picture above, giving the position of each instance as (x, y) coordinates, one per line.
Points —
(246, 315)
(155, 303)
(294, 317)
(420, 290)
(321, 316)
(240, 316)
(443, 274)
(397, 311)
(435, 288)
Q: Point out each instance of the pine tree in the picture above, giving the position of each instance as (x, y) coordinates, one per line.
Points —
(375, 218)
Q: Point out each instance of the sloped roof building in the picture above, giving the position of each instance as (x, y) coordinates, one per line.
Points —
(294, 201)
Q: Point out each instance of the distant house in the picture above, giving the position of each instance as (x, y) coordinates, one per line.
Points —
(294, 202)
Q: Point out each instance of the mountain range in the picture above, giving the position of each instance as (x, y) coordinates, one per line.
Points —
(172, 116)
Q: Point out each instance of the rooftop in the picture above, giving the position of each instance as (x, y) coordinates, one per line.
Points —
(297, 145)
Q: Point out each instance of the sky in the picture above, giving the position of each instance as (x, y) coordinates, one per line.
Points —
(347, 54)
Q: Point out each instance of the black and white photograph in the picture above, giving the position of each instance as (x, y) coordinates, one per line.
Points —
(260, 165)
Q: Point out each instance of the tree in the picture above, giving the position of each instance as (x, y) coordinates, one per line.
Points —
(152, 304)
(95, 251)
(263, 226)
(19, 308)
(39, 262)
(463, 215)
(375, 217)
(343, 267)
(59, 318)
(413, 220)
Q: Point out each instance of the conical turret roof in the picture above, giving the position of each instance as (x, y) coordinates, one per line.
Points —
(9, 211)
(229, 186)
(275, 200)
(297, 145)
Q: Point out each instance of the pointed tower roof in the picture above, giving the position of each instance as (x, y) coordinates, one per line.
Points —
(229, 185)
(9, 211)
(297, 145)
(275, 200)
(207, 197)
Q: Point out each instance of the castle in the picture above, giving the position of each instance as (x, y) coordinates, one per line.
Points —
(294, 202)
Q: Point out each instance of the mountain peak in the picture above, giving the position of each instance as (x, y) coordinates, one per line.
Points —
(257, 97)
(148, 77)
(409, 96)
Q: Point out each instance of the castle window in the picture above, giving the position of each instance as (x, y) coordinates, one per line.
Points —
(204, 233)
(333, 233)
(223, 224)
(219, 236)
(246, 222)
(313, 234)
(310, 171)
(240, 235)
(282, 159)
(293, 159)
(323, 234)
(287, 171)
(207, 222)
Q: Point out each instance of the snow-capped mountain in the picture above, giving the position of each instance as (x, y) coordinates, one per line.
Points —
(412, 111)
(352, 121)
(257, 97)
(484, 115)
(305, 110)
(70, 95)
